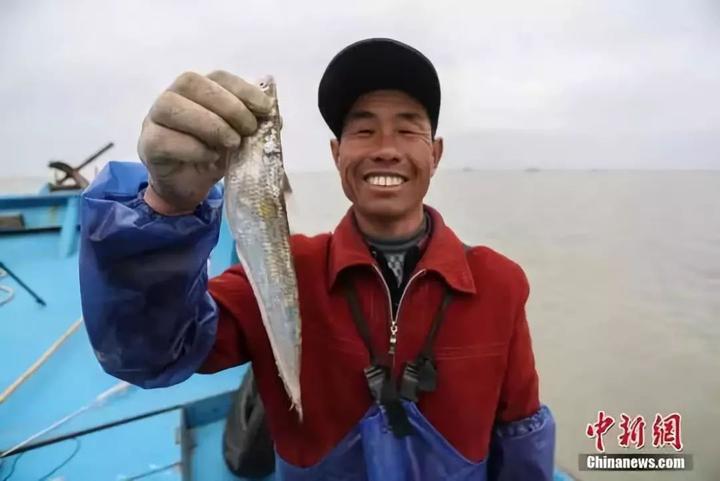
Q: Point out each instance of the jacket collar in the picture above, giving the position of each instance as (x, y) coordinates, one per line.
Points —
(444, 254)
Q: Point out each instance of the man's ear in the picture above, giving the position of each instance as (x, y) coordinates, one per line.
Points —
(437, 153)
(335, 149)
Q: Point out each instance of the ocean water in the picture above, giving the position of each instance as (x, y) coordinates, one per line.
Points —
(624, 309)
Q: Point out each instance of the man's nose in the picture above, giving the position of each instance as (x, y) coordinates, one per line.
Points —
(387, 150)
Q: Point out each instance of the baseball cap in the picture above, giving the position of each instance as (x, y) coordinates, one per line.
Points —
(375, 64)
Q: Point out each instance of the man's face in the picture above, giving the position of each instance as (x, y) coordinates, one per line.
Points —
(386, 155)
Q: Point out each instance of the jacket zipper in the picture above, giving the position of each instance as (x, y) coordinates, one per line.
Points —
(394, 319)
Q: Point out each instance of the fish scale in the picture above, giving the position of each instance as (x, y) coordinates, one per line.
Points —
(256, 212)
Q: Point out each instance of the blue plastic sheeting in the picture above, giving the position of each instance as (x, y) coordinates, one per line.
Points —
(143, 279)
(127, 451)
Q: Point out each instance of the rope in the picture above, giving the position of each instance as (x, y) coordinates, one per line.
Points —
(40, 361)
(99, 400)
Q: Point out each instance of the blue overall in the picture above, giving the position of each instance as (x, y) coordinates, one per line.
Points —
(371, 452)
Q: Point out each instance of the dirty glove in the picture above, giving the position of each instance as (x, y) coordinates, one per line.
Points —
(189, 133)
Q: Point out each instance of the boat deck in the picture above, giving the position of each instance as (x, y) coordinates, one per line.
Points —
(169, 433)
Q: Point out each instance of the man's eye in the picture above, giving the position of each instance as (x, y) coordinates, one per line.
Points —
(409, 132)
(364, 131)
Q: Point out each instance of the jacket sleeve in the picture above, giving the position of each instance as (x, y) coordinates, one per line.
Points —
(523, 441)
(144, 282)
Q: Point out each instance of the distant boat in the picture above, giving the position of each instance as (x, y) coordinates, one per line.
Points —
(532, 169)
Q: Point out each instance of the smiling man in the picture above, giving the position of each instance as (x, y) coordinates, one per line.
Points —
(417, 361)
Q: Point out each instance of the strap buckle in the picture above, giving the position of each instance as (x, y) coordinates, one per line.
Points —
(418, 376)
(377, 377)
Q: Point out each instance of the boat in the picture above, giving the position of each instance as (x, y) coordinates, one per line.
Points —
(61, 416)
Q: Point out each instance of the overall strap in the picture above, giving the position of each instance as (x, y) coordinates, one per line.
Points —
(359, 320)
(378, 374)
(420, 375)
(426, 351)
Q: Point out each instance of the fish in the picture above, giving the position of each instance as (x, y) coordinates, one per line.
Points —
(254, 198)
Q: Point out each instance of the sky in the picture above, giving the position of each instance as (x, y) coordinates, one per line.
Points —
(556, 84)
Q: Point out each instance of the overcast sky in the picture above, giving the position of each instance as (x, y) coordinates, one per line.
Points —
(549, 84)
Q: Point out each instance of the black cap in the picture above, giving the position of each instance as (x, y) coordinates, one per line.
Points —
(375, 64)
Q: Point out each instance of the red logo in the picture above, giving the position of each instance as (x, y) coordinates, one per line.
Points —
(598, 430)
(633, 431)
(666, 431)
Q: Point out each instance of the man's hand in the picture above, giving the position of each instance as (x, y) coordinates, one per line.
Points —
(189, 133)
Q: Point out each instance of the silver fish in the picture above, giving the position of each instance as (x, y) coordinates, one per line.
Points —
(255, 185)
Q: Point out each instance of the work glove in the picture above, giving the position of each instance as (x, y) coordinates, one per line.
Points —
(190, 133)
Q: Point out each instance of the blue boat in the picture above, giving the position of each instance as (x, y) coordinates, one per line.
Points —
(65, 418)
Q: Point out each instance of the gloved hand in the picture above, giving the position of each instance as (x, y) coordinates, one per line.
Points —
(189, 133)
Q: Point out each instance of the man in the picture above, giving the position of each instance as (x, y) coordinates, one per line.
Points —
(416, 355)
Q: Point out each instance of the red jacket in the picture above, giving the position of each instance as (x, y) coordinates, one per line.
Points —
(485, 364)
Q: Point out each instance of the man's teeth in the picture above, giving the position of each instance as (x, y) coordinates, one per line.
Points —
(385, 180)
